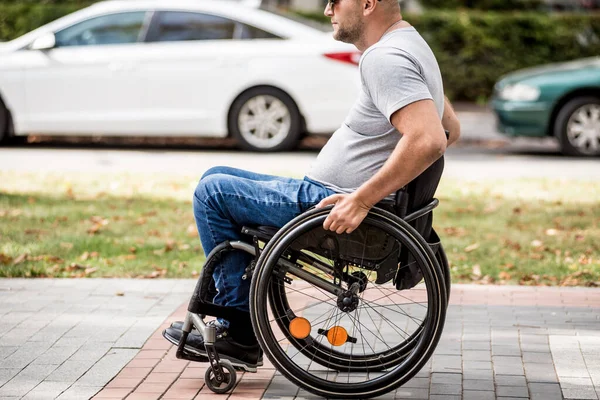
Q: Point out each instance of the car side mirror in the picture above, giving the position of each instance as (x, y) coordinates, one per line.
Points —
(44, 42)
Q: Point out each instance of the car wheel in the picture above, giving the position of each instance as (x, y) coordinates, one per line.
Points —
(577, 127)
(265, 119)
(3, 124)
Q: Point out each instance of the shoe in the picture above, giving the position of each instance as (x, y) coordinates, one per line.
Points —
(241, 356)
(219, 328)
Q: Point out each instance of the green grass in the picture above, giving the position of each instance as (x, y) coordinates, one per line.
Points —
(524, 231)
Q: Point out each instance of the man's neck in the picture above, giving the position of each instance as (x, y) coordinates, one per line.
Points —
(373, 35)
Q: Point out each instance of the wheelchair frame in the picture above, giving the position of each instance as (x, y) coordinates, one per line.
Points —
(406, 208)
(220, 376)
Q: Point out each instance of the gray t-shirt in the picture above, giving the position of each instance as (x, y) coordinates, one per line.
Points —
(398, 70)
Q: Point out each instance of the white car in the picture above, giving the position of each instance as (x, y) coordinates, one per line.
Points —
(177, 68)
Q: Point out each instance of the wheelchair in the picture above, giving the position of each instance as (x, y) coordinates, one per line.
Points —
(348, 316)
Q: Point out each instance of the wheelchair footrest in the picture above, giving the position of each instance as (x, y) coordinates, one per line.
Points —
(186, 355)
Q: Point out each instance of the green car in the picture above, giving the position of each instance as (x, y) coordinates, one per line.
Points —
(561, 100)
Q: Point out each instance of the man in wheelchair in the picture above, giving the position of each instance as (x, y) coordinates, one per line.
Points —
(398, 128)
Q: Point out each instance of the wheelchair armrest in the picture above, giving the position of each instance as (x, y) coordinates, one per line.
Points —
(422, 211)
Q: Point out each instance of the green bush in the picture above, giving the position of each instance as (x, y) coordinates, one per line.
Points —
(18, 19)
(497, 5)
(475, 48)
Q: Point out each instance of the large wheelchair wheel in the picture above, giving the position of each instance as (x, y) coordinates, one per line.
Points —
(327, 313)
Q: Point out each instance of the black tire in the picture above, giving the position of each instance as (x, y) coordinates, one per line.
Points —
(287, 123)
(4, 134)
(400, 362)
(574, 115)
(442, 260)
(220, 387)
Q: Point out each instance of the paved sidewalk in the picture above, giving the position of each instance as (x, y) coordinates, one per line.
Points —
(70, 338)
(67, 339)
(499, 342)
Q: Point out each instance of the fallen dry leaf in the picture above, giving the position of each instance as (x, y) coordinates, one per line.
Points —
(551, 232)
(476, 272)
(455, 231)
(537, 243)
(84, 256)
(471, 247)
(120, 294)
(66, 245)
(75, 267)
(192, 231)
(170, 245)
(91, 270)
(504, 275)
(4, 259)
(20, 259)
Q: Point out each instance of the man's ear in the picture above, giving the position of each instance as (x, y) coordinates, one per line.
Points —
(369, 6)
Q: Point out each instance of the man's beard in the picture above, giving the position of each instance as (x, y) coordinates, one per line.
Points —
(349, 34)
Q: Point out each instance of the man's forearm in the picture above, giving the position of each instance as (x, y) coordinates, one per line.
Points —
(450, 122)
(408, 160)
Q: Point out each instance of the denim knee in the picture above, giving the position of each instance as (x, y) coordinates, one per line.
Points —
(216, 170)
(207, 187)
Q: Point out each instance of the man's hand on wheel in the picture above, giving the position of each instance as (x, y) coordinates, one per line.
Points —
(346, 215)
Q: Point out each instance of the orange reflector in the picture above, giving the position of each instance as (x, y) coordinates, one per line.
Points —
(337, 336)
(300, 328)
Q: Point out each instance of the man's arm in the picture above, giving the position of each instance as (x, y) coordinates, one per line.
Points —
(423, 142)
(450, 122)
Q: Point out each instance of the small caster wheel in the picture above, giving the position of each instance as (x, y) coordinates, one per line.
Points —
(228, 382)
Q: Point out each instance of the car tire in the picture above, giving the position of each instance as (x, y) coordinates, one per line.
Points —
(265, 119)
(577, 127)
(3, 124)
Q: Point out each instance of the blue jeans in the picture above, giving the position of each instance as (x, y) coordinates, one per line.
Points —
(227, 199)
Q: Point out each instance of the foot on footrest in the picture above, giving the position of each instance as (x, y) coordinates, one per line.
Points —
(242, 357)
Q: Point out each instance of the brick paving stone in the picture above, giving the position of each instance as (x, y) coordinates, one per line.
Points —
(412, 393)
(478, 395)
(545, 391)
(513, 391)
(445, 378)
(478, 385)
(476, 355)
(540, 372)
(47, 390)
(482, 374)
(27, 379)
(537, 357)
(510, 380)
(445, 389)
(106, 368)
(78, 393)
(422, 383)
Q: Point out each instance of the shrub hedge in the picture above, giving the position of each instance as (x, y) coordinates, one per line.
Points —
(17, 19)
(473, 48)
(498, 5)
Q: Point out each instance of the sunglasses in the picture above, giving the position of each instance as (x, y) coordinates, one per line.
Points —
(332, 3)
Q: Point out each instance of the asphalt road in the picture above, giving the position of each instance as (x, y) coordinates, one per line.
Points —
(481, 153)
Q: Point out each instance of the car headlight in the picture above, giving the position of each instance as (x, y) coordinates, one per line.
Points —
(519, 92)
